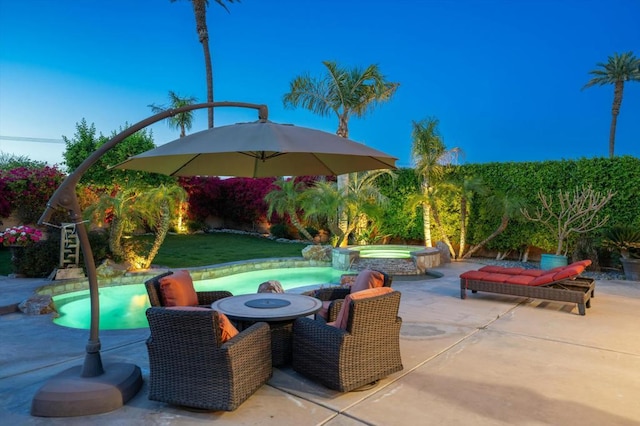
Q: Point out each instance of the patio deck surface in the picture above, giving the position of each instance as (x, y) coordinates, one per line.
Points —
(486, 360)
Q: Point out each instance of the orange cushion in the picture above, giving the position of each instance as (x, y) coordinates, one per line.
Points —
(227, 330)
(367, 279)
(177, 289)
(343, 315)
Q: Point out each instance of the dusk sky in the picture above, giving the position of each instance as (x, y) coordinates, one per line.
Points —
(504, 77)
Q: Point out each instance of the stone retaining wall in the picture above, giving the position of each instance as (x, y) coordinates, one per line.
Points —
(198, 274)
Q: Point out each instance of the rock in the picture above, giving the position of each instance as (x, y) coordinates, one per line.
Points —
(316, 252)
(37, 305)
(110, 269)
(445, 254)
(347, 280)
(271, 286)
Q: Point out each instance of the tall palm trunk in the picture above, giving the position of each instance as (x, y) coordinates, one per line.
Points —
(426, 216)
(200, 11)
(615, 110)
(343, 183)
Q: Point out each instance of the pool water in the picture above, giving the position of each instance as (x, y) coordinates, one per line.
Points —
(123, 307)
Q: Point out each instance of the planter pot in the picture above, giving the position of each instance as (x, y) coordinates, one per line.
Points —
(631, 269)
(550, 261)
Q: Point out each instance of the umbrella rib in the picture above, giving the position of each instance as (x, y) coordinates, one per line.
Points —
(260, 155)
(173, 173)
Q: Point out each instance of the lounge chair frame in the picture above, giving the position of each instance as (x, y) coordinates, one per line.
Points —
(579, 290)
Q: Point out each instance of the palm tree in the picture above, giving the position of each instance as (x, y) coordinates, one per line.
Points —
(502, 204)
(619, 68)
(182, 121)
(368, 202)
(158, 206)
(431, 157)
(118, 207)
(285, 198)
(200, 13)
(344, 92)
(322, 203)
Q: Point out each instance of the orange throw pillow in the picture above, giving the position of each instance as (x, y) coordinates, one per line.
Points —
(367, 279)
(343, 315)
(227, 330)
(177, 289)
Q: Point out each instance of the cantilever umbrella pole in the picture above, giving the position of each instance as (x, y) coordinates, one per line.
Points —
(48, 402)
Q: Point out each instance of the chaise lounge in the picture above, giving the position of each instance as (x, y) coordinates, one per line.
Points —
(563, 284)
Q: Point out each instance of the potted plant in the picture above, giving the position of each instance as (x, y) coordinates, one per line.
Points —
(625, 240)
(575, 213)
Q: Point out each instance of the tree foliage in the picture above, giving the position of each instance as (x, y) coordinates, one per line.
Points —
(85, 141)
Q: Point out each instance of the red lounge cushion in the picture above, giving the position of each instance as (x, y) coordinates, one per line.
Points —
(543, 279)
(519, 279)
(343, 315)
(475, 275)
(584, 263)
(177, 289)
(512, 271)
(498, 278)
(367, 279)
(569, 271)
(491, 268)
(533, 272)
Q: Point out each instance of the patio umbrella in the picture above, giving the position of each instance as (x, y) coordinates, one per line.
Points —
(260, 149)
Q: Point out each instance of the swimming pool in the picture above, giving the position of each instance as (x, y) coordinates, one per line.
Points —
(123, 307)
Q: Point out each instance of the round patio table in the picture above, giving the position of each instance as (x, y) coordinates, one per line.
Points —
(279, 310)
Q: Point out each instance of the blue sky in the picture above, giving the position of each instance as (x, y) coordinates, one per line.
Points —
(504, 77)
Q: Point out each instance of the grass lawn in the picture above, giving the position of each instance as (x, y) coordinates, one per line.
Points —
(203, 249)
(211, 249)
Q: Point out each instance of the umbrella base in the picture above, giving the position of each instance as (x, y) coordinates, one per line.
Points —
(68, 394)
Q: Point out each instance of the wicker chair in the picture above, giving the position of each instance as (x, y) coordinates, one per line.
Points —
(336, 295)
(189, 366)
(205, 298)
(344, 360)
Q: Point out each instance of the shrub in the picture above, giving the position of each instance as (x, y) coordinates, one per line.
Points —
(280, 230)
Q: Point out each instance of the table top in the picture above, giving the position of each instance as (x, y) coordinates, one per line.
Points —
(267, 306)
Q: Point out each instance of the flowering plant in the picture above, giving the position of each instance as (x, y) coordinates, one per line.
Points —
(20, 236)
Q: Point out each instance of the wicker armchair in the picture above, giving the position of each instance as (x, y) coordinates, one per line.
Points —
(344, 360)
(189, 366)
(205, 298)
(336, 295)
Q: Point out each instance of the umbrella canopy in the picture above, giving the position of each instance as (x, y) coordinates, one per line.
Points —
(259, 149)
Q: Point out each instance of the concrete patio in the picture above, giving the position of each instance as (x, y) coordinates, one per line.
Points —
(486, 360)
